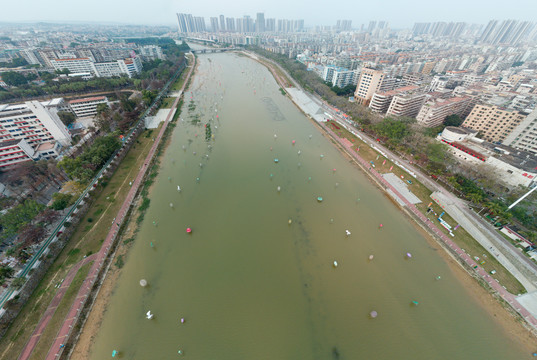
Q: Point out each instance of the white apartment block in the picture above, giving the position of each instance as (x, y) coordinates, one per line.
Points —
(406, 104)
(370, 82)
(152, 52)
(87, 106)
(25, 127)
(434, 113)
(380, 102)
(130, 66)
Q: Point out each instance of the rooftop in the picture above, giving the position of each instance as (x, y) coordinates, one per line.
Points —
(96, 98)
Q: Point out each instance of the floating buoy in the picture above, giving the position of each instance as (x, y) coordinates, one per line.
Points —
(180, 352)
(438, 277)
(373, 314)
(347, 232)
(293, 142)
(178, 188)
(182, 320)
(408, 255)
(371, 257)
(271, 148)
(290, 221)
(310, 136)
(275, 136)
(299, 152)
(309, 178)
(276, 160)
(279, 188)
(319, 199)
(194, 153)
(143, 283)
(415, 303)
(322, 156)
(197, 179)
(334, 170)
(334, 264)
(148, 315)
(380, 226)
(171, 205)
(151, 244)
(114, 353)
(188, 230)
(271, 176)
(299, 164)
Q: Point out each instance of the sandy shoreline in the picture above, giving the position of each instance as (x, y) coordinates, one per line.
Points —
(512, 325)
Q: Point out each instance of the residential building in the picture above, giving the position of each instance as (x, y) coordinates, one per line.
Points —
(434, 112)
(152, 52)
(260, 23)
(408, 104)
(370, 82)
(76, 65)
(24, 127)
(380, 102)
(524, 136)
(492, 122)
(87, 106)
(130, 66)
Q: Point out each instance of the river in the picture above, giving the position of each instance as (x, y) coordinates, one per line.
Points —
(251, 285)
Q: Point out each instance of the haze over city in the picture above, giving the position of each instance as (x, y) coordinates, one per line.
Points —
(399, 14)
(275, 179)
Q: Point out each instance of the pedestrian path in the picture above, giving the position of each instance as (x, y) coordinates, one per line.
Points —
(49, 313)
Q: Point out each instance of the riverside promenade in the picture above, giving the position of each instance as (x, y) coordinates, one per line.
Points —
(431, 227)
(57, 348)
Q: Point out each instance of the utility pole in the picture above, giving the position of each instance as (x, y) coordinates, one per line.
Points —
(522, 198)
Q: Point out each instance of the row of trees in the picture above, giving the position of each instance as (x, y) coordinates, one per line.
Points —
(83, 167)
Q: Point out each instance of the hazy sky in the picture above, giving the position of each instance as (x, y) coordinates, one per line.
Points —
(399, 13)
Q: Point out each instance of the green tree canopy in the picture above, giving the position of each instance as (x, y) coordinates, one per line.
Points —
(13, 78)
(392, 129)
(453, 120)
(66, 117)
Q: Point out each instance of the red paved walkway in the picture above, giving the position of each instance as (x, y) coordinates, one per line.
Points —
(49, 313)
(507, 296)
(64, 332)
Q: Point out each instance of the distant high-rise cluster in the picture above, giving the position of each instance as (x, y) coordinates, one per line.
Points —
(437, 29)
(192, 24)
(506, 32)
(344, 25)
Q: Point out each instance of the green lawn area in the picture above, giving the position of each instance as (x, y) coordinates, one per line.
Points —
(167, 103)
(462, 238)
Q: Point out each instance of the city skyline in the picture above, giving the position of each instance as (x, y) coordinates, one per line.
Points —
(162, 12)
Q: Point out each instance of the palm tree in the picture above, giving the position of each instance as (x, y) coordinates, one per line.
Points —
(475, 198)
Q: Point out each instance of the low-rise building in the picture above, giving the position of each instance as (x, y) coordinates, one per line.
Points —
(511, 166)
(152, 52)
(87, 106)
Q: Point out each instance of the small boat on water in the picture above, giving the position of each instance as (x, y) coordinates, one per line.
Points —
(148, 315)
(178, 188)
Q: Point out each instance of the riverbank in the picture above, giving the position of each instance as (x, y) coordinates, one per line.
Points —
(514, 324)
(82, 348)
